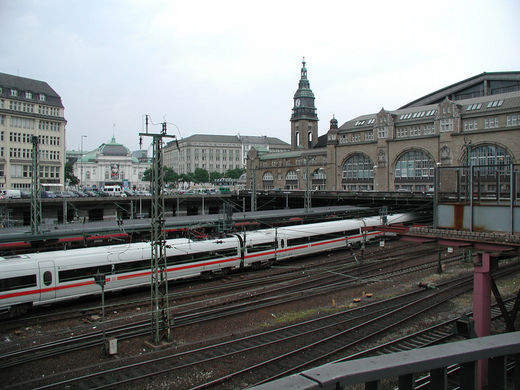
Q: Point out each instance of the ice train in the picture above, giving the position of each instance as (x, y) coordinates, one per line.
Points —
(43, 278)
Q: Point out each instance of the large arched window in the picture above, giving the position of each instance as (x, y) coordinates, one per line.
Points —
(491, 157)
(414, 171)
(268, 181)
(358, 173)
(319, 179)
(291, 180)
(490, 169)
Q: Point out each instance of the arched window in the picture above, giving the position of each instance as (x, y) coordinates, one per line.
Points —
(291, 175)
(291, 180)
(358, 166)
(309, 138)
(414, 171)
(491, 171)
(414, 164)
(268, 181)
(319, 179)
(493, 157)
(358, 173)
(268, 176)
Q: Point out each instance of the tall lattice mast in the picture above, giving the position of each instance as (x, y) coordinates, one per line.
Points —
(161, 323)
(36, 206)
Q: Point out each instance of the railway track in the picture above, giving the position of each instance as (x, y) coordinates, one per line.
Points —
(279, 293)
(272, 353)
(335, 262)
(354, 323)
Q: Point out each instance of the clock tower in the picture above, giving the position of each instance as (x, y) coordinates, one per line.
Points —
(304, 120)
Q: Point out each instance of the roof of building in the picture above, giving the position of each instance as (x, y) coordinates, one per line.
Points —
(24, 84)
(113, 149)
(110, 149)
(251, 139)
(238, 139)
(210, 138)
(414, 114)
(499, 82)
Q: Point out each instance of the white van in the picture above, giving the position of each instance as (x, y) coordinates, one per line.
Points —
(13, 194)
(113, 191)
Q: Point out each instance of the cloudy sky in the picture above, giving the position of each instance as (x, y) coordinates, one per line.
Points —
(232, 67)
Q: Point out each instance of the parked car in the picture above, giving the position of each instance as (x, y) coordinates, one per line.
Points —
(79, 193)
(67, 194)
(47, 194)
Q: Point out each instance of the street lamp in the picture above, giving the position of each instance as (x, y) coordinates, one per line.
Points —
(81, 163)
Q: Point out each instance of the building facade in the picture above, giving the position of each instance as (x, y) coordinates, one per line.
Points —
(112, 164)
(30, 108)
(473, 122)
(215, 153)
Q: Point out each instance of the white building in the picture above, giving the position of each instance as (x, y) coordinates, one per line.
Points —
(216, 153)
(112, 164)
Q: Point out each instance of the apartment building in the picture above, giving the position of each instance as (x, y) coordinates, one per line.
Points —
(30, 108)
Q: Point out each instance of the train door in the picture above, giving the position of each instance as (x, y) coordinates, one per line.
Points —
(47, 280)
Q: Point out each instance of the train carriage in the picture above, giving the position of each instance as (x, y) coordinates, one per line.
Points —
(47, 277)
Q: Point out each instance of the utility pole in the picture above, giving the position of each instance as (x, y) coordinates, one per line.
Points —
(307, 201)
(161, 325)
(253, 189)
(36, 206)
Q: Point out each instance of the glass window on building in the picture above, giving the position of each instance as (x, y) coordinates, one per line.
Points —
(358, 166)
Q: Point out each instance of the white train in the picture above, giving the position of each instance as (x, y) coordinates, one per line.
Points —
(47, 277)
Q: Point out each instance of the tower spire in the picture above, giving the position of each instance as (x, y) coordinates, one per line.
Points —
(304, 128)
(304, 70)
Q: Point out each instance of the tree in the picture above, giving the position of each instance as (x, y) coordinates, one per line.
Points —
(170, 176)
(69, 175)
(235, 173)
(186, 177)
(147, 175)
(200, 175)
(215, 176)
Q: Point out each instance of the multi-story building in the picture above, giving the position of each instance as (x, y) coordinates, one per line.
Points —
(215, 153)
(112, 164)
(473, 122)
(30, 108)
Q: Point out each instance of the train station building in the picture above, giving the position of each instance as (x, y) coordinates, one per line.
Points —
(473, 122)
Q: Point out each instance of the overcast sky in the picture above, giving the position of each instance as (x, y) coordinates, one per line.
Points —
(232, 67)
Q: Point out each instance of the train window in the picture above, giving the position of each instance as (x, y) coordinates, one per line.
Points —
(131, 266)
(353, 232)
(83, 273)
(201, 256)
(298, 241)
(282, 243)
(260, 247)
(18, 282)
(47, 278)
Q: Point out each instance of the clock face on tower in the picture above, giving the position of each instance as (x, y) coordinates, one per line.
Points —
(297, 103)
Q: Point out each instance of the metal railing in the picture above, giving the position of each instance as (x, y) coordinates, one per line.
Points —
(405, 365)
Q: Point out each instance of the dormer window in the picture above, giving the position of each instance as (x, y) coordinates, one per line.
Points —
(42, 97)
(28, 95)
(14, 93)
